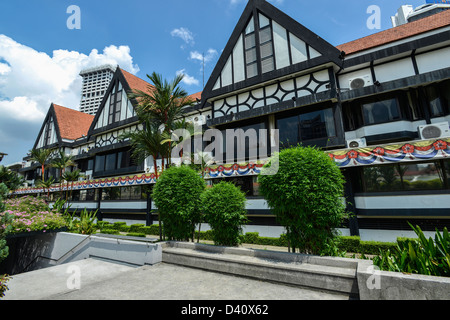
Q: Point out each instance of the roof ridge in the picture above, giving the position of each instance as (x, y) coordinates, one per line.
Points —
(406, 30)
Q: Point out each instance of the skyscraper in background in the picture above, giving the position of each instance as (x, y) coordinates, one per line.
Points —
(95, 83)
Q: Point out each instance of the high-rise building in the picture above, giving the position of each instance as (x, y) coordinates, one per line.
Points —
(407, 13)
(95, 83)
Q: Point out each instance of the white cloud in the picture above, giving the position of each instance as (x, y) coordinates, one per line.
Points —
(188, 80)
(31, 80)
(21, 108)
(4, 69)
(209, 56)
(43, 79)
(184, 34)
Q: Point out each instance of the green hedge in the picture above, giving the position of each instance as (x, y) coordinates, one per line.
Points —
(150, 230)
(136, 234)
(110, 231)
(349, 244)
(136, 227)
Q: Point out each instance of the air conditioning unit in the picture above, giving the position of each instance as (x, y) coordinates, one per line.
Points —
(434, 131)
(356, 143)
(199, 120)
(360, 82)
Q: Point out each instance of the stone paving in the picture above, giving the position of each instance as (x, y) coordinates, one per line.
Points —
(102, 280)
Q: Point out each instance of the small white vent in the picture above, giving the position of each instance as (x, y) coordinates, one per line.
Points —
(434, 131)
(356, 143)
(360, 82)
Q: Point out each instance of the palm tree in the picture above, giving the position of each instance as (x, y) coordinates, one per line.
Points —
(163, 103)
(46, 185)
(146, 143)
(71, 176)
(61, 162)
(41, 156)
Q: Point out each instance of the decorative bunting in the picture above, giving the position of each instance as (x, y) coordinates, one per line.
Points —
(410, 151)
(344, 158)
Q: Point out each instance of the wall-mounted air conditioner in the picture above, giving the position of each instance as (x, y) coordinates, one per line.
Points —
(434, 131)
(360, 82)
(199, 120)
(356, 143)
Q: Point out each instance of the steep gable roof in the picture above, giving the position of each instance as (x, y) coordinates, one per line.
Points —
(62, 123)
(407, 30)
(72, 124)
(126, 83)
(136, 83)
(263, 32)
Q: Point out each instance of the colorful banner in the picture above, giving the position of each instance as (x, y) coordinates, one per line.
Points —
(344, 158)
(392, 153)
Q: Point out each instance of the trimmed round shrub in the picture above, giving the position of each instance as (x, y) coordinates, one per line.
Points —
(306, 195)
(224, 210)
(177, 196)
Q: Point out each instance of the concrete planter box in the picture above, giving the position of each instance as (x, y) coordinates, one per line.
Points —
(46, 250)
(374, 284)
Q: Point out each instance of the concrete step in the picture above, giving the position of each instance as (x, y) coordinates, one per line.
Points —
(334, 275)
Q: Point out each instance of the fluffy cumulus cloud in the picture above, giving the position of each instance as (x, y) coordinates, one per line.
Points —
(31, 80)
(187, 79)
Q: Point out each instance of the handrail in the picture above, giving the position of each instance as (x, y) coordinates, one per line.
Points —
(63, 258)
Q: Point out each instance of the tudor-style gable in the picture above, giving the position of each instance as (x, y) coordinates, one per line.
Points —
(62, 125)
(48, 135)
(116, 109)
(265, 45)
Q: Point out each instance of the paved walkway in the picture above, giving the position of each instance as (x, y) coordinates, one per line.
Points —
(101, 280)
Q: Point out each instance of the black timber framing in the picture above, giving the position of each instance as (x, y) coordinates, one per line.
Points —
(413, 81)
(51, 112)
(118, 75)
(397, 49)
(329, 52)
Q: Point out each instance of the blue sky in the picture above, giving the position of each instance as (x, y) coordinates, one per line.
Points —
(40, 57)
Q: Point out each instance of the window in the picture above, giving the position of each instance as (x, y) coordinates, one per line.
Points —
(110, 162)
(250, 50)
(111, 194)
(402, 177)
(124, 159)
(266, 44)
(118, 105)
(434, 101)
(381, 111)
(115, 104)
(49, 131)
(124, 193)
(307, 126)
(245, 147)
(248, 185)
(99, 163)
(445, 89)
(113, 163)
(316, 125)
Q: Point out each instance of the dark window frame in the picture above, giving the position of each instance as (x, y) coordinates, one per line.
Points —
(298, 113)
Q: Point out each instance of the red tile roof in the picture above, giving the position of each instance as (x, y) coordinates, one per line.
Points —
(197, 95)
(72, 124)
(430, 23)
(136, 83)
